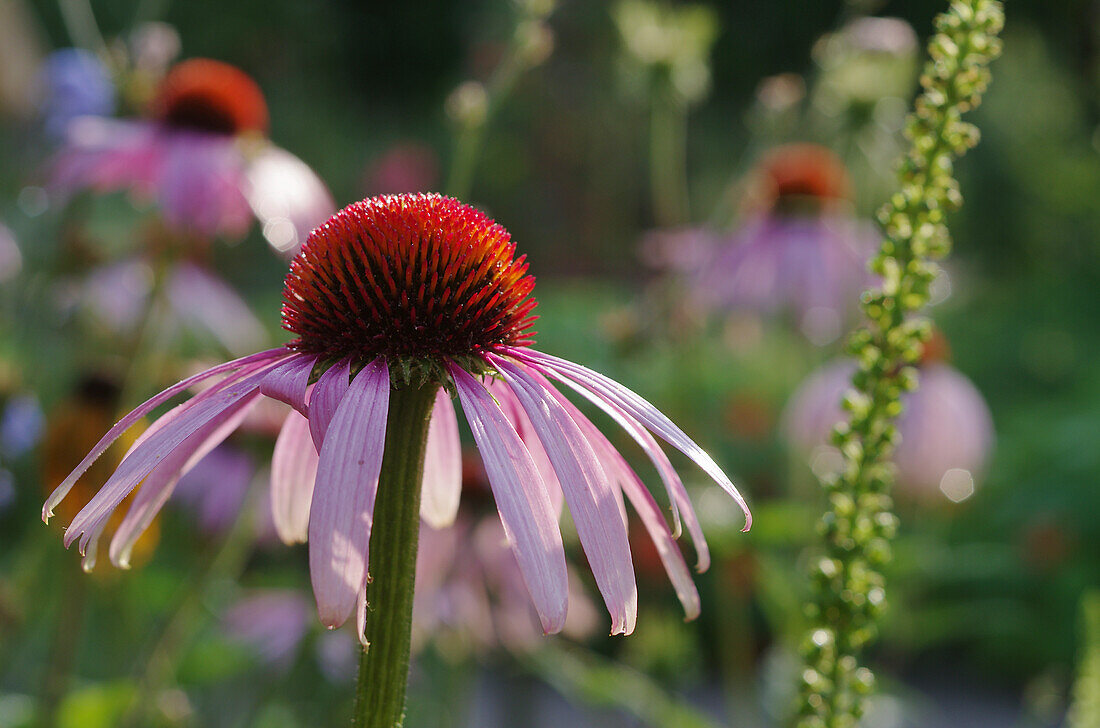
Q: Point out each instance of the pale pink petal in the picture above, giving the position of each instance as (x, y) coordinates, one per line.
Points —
(343, 497)
(678, 495)
(521, 499)
(170, 448)
(293, 472)
(526, 431)
(611, 392)
(442, 487)
(129, 420)
(288, 381)
(287, 197)
(158, 486)
(647, 509)
(325, 397)
(590, 495)
(205, 302)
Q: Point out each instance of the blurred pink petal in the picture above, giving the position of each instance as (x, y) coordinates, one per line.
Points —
(442, 487)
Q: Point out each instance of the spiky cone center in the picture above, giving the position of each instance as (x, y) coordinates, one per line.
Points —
(419, 279)
(211, 96)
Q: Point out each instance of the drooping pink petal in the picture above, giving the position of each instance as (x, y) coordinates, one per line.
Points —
(288, 381)
(645, 506)
(158, 486)
(129, 420)
(590, 495)
(106, 154)
(326, 396)
(526, 431)
(521, 499)
(678, 495)
(442, 487)
(170, 448)
(343, 497)
(608, 391)
(293, 472)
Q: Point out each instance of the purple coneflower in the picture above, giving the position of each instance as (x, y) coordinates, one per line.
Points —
(946, 428)
(202, 156)
(399, 295)
(799, 250)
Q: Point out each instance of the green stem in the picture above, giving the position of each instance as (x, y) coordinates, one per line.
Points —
(668, 160)
(588, 678)
(384, 664)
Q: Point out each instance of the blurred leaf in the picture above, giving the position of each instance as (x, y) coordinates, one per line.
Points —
(96, 706)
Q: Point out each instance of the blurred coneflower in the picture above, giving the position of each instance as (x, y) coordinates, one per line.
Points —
(391, 299)
(946, 428)
(799, 250)
(203, 156)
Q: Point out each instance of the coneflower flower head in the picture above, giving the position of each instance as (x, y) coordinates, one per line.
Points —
(392, 294)
(211, 96)
(799, 249)
(806, 173)
(416, 279)
(202, 154)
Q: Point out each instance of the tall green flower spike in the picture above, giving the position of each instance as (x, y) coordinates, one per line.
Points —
(849, 592)
(1085, 710)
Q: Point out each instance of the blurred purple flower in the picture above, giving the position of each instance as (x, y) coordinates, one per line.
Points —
(21, 425)
(74, 83)
(814, 267)
(118, 295)
(215, 488)
(799, 250)
(946, 428)
(272, 622)
(469, 589)
(203, 158)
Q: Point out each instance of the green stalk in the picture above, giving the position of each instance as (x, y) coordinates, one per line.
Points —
(384, 664)
(858, 524)
(668, 159)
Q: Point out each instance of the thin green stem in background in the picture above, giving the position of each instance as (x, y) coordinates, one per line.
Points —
(849, 591)
(668, 160)
(523, 53)
(384, 664)
(588, 678)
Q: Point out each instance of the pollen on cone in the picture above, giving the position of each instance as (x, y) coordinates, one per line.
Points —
(414, 276)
